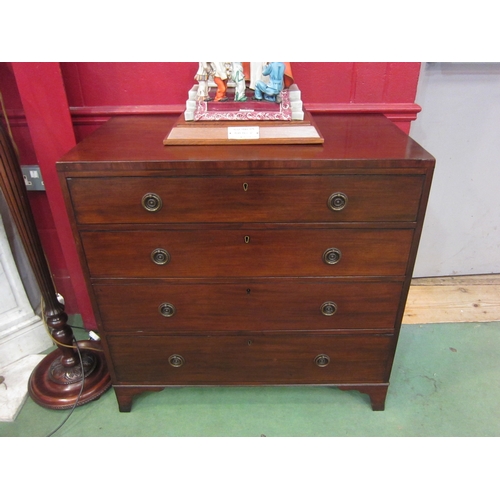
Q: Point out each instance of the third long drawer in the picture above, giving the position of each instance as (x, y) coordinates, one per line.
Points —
(264, 305)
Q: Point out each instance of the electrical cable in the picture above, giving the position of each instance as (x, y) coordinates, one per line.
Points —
(79, 395)
(42, 307)
(70, 346)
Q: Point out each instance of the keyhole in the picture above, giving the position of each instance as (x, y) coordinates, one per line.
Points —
(245, 186)
(247, 239)
(248, 291)
(249, 342)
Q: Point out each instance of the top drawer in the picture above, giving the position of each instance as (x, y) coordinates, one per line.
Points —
(309, 198)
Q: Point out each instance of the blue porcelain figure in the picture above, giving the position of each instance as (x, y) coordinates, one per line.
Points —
(271, 90)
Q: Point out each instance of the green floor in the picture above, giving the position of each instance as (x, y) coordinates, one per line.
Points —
(445, 382)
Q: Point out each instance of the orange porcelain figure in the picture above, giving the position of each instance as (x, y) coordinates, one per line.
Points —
(221, 70)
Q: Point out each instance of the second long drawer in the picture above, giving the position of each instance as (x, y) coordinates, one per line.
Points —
(247, 252)
(248, 305)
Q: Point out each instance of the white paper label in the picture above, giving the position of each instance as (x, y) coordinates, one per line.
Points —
(239, 133)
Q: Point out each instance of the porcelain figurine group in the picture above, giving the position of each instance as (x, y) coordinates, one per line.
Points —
(266, 80)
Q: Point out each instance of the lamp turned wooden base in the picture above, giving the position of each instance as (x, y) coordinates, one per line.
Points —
(56, 382)
(54, 386)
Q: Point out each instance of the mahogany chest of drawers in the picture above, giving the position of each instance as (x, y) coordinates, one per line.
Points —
(248, 264)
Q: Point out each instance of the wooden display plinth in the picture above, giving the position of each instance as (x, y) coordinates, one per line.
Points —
(196, 133)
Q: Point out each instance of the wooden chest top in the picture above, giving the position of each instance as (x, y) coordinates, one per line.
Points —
(136, 143)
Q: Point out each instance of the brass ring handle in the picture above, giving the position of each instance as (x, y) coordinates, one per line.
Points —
(332, 256)
(328, 308)
(176, 360)
(151, 202)
(322, 360)
(337, 201)
(160, 256)
(166, 309)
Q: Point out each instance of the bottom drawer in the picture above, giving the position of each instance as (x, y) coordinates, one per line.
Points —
(251, 359)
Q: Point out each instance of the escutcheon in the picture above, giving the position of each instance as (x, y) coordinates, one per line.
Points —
(160, 256)
(322, 360)
(328, 308)
(151, 202)
(166, 309)
(337, 201)
(332, 256)
(176, 360)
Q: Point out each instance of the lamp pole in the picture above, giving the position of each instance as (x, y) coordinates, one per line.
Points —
(75, 373)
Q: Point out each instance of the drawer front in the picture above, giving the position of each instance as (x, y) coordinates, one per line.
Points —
(107, 200)
(270, 305)
(249, 252)
(250, 359)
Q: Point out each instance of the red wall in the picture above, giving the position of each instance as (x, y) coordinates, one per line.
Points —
(51, 106)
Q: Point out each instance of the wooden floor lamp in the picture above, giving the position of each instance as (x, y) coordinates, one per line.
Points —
(76, 372)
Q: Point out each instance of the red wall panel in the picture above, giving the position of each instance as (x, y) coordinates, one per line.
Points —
(156, 84)
(401, 82)
(369, 81)
(45, 105)
(126, 84)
